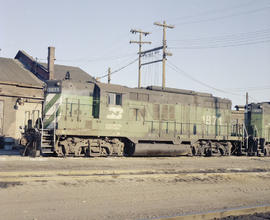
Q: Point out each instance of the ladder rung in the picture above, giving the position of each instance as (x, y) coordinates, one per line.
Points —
(46, 146)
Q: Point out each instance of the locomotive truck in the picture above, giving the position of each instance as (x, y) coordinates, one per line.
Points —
(97, 119)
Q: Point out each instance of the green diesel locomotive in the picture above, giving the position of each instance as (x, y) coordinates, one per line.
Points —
(257, 121)
(97, 119)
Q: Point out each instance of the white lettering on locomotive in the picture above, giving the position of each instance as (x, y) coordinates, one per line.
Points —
(115, 112)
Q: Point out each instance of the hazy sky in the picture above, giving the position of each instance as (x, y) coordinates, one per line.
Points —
(218, 46)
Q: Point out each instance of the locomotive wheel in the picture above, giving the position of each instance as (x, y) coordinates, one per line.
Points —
(208, 151)
(120, 152)
(78, 150)
(198, 149)
(194, 150)
(105, 152)
(87, 151)
(228, 149)
(117, 147)
(221, 149)
(214, 149)
(218, 152)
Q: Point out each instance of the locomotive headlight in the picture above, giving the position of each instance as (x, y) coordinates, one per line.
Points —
(58, 83)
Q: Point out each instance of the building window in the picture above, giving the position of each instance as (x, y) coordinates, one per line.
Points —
(114, 99)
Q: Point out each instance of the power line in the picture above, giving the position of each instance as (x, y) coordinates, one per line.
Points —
(119, 69)
(182, 72)
(223, 43)
(219, 46)
(226, 42)
(214, 11)
(229, 40)
(255, 37)
(98, 58)
(226, 16)
(236, 36)
(253, 88)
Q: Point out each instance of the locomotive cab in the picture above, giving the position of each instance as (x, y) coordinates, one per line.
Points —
(257, 122)
(69, 105)
(51, 104)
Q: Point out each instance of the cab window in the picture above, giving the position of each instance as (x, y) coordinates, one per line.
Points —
(114, 99)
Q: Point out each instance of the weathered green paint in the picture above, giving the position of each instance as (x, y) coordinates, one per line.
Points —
(51, 103)
(257, 120)
(137, 119)
(51, 118)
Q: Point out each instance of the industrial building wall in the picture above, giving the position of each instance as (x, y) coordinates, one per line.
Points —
(13, 120)
(9, 116)
(25, 112)
(1, 117)
(19, 104)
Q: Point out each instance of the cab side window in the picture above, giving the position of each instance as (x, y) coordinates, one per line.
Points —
(111, 98)
(118, 100)
(114, 99)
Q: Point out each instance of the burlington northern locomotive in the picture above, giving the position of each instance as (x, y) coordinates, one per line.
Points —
(97, 119)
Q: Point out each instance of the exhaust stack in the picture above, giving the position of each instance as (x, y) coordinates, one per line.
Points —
(51, 58)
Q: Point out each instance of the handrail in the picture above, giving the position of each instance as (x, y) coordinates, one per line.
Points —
(245, 130)
(54, 124)
(257, 131)
(185, 128)
(42, 128)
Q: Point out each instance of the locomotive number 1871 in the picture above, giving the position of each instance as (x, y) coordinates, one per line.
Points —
(211, 120)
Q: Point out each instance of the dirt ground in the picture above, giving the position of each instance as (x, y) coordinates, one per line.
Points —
(129, 188)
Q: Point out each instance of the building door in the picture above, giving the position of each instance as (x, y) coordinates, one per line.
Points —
(1, 116)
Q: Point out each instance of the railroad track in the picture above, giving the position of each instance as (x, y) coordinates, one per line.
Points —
(183, 183)
(200, 175)
(261, 212)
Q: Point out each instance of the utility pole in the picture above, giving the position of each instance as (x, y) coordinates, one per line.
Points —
(109, 75)
(246, 98)
(140, 42)
(165, 53)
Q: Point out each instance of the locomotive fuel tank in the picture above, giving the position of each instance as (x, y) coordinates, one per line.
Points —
(144, 149)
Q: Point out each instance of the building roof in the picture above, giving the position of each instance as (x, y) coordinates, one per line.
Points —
(76, 73)
(12, 71)
(41, 71)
